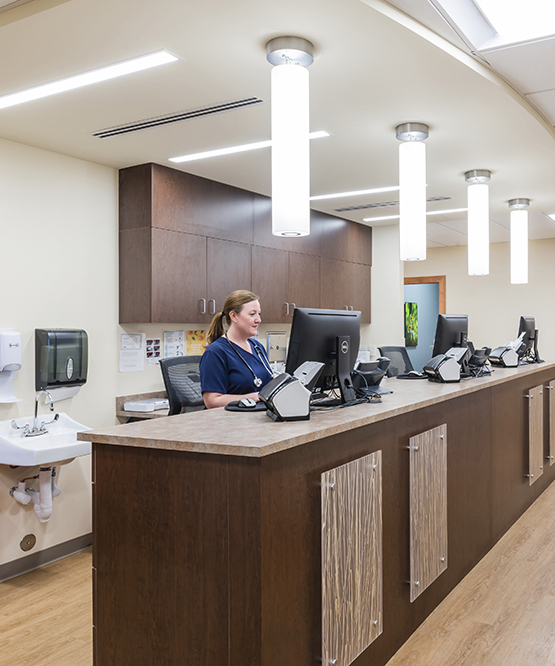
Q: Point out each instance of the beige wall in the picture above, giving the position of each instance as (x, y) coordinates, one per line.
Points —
(492, 303)
(58, 270)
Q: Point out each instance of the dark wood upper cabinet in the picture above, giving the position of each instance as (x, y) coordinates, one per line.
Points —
(344, 240)
(158, 196)
(186, 242)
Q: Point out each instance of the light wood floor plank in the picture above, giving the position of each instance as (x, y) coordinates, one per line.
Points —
(503, 612)
(46, 615)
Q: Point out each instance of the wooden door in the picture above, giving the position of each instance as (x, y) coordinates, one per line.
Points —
(345, 286)
(269, 281)
(303, 288)
(229, 267)
(178, 276)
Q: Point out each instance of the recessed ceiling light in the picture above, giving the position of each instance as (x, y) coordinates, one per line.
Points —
(354, 193)
(235, 149)
(430, 212)
(80, 80)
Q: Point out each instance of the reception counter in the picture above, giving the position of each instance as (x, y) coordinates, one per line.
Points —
(224, 538)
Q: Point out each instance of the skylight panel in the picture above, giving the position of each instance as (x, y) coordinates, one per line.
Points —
(518, 21)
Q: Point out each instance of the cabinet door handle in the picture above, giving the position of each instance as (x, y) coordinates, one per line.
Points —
(346, 307)
(203, 301)
(286, 305)
(213, 306)
(294, 306)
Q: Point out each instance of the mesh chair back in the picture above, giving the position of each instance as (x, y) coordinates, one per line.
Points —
(182, 380)
(400, 361)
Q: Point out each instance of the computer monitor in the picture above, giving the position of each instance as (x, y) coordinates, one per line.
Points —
(331, 337)
(528, 351)
(451, 331)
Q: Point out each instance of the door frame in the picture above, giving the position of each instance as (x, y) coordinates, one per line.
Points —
(432, 279)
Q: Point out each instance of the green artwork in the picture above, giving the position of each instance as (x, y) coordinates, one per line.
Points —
(411, 324)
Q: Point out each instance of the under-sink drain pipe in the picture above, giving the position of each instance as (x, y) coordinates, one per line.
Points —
(42, 499)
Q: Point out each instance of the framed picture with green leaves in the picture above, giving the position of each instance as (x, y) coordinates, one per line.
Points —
(411, 324)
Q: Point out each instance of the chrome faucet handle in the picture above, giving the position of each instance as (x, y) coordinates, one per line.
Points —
(45, 423)
(16, 427)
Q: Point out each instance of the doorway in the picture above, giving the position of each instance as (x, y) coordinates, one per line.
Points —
(427, 294)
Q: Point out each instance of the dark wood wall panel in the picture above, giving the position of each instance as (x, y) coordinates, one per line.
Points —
(135, 274)
(135, 197)
(161, 555)
(183, 202)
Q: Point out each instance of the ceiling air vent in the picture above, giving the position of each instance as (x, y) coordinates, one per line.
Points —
(383, 204)
(140, 125)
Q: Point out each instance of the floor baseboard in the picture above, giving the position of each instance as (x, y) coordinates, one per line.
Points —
(44, 557)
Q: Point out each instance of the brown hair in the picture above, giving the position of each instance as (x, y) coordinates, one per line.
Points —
(233, 303)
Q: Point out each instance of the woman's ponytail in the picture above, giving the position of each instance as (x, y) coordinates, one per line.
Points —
(233, 303)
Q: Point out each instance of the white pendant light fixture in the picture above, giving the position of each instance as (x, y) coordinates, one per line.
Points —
(290, 129)
(412, 190)
(478, 221)
(519, 240)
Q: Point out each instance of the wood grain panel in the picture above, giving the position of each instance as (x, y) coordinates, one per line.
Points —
(352, 574)
(135, 275)
(551, 410)
(269, 281)
(229, 268)
(535, 434)
(428, 508)
(304, 281)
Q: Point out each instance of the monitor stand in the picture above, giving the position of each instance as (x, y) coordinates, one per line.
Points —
(343, 368)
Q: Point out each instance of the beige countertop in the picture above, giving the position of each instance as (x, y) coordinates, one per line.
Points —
(254, 434)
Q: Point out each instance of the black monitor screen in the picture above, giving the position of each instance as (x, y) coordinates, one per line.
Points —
(528, 327)
(313, 338)
(451, 331)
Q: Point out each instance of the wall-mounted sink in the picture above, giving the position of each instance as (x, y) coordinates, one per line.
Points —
(58, 445)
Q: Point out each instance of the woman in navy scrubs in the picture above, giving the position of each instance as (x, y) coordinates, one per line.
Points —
(234, 366)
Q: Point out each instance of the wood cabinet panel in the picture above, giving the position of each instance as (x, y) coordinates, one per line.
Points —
(344, 285)
(352, 568)
(135, 279)
(535, 433)
(428, 508)
(178, 276)
(135, 197)
(269, 281)
(551, 422)
(303, 287)
(344, 240)
(229, 267)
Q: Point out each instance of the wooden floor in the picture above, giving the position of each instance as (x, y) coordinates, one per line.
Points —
(502, 614)
(46, 615)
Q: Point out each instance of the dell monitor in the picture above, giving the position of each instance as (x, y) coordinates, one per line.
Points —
(451, 331)
(528, 351)
(331, 337)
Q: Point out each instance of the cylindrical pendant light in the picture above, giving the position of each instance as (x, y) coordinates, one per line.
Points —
(519, 240)
(412, 190)
(478, 221)
(290, 129)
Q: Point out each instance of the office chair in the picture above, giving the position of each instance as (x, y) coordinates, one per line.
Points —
(400, 362)
(182, 381)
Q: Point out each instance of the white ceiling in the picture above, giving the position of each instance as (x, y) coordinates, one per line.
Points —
(373, 69)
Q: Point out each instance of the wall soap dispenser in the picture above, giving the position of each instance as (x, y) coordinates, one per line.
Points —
(10, 362)
(61, 361)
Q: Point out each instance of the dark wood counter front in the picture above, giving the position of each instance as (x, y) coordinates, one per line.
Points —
(208, 526)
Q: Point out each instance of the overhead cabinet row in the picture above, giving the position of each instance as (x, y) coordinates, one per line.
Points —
(186, 242)
(167, 276)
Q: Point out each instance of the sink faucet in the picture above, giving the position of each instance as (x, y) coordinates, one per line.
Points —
(35, 428)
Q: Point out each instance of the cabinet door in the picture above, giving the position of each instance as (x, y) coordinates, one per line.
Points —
(428, 508)
(345, 286)
(228, 268)
(535, 433)
(269, 281)
(345, 240)
(551, 407)
(178, 276)
(303, 281)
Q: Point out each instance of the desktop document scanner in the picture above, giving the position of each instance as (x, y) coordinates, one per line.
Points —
(506, 357)
(287, 398)
(443, 368)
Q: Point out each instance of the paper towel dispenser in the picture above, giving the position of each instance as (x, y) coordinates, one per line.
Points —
(61, 358)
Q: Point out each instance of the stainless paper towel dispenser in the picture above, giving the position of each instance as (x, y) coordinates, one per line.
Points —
(61, 358)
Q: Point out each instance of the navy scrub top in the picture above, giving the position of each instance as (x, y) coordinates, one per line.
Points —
(222, 371)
